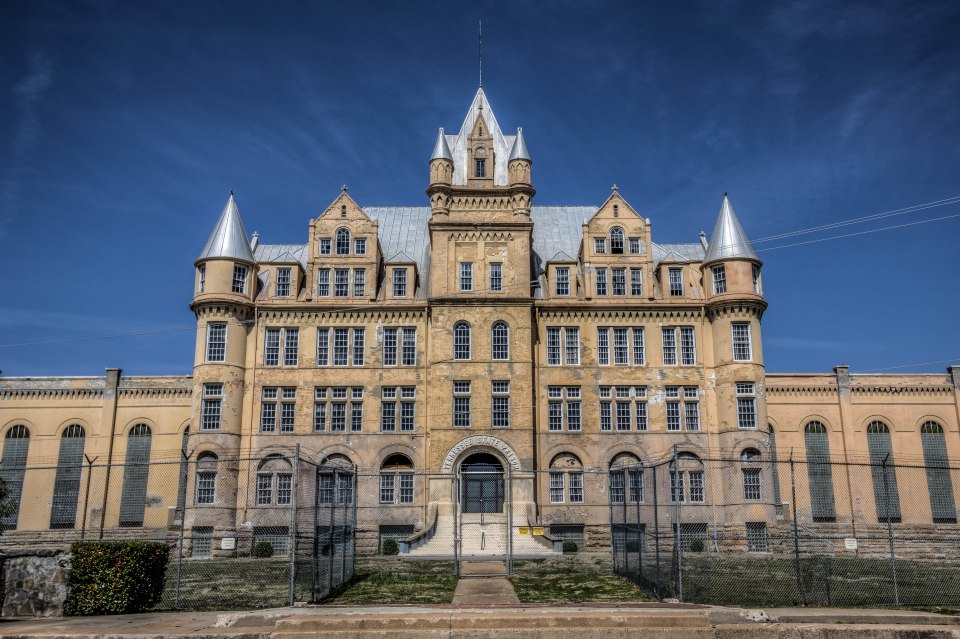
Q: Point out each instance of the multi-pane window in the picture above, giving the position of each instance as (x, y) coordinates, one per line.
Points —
(501, 404)
(136, 471)
(571, 338)
(601, 281)
(360, 246)
(396, 487)
(603, 346)
(621, 346)
(343, 354)
(206, 487)
(390, 346)
(480, 167)
(399, 282)
(330, 408)
(356, 410)
(496, 277)
(320, 409)
(635, 245)
(278, 400)
(746, 405)
(201, 278)
(639, 347)
(556, 488)
(629, 409)
(409, 346)
(676, 281)
(324, 246)
(500, 345)
(819, 472)
(669, 346)
(751, 484)
(291, 346)
(400, 345)
(682, 407)
(757, 536)
(636, 281)
(271, 346)
(343, 241)
(283, 281)
(616, 240)
(563, 280)
(66, 484)
(323, 347)
(619, 281)
(688, 485)
(688, 347)
(212, 407)
(742, 345)
(756, 279)
(284, 489)
(239, 279)
(394, 413)
(341, 282)
(939, 484)
(359, 282)
(461, 404)
(466, 276)
(341, 347)
(564, 401)
(719, 279)
(323, 282)
(600, 245)
(265, 489)
(572, 492)
(461, 341)
(882, 469)
(216, 341)
(554, 346)
(359, 335)
(618, 480)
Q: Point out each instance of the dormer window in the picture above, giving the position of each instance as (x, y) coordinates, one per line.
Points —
(480, 168)
(676, 281)
(325, 246)
(360, 246)
(616, 240)
(343, 241)
(283, 282)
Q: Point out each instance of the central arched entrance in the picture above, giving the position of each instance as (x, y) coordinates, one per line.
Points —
(482, 485)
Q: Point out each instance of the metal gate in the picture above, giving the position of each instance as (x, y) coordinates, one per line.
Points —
(482, 518)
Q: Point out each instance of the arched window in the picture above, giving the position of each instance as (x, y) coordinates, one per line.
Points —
(750, 455)
(274, 481)
(885, 492)
(184, 466)
(335, 478)
(687, 479)
(343, 241)
(14, 463)
(616, 240)
(66, 485)
(819, 472)
(396, 480)
(751, 471)
(942, 506)
(566, 479)
(461, 340)
(133, 499)
(501, 341)
(206, 490)
(626, 470)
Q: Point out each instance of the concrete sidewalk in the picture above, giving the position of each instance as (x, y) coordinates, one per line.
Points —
(625, 621)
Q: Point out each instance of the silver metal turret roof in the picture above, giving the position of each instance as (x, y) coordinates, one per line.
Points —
(229, 238)
(519, 150)
(729, 239)
(441, 151)
(501, 143)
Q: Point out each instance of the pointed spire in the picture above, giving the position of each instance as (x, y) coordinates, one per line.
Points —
(729, 239)
(229, 238)
(519, 150)
(441, 150)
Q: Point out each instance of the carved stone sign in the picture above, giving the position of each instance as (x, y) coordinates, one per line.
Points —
(480, 440)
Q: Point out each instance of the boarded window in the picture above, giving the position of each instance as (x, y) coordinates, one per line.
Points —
(66, 486)
(819, 472)
(14, 462)
(884, 474)
(135, 471)
(942, 507)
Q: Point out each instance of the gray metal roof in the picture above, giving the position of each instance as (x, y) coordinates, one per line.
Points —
(692, 252)
(519, 150)
(501, 143)
(441, 151)
(402, 231)
(229, 238)
(728, 240)
(281, 253)
(557, 229)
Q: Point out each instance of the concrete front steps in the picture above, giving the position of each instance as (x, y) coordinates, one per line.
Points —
(487, 539)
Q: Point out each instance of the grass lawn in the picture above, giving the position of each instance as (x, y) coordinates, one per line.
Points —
(394, 583)
(228, 584)
(571, 580)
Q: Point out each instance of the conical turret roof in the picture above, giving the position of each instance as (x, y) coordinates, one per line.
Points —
(519, 150)
(229, 238)
(441, 150)
(728, 239)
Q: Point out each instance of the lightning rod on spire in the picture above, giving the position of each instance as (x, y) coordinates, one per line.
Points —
(480, 39)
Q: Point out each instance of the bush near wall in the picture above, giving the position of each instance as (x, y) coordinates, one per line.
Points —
(116, 577)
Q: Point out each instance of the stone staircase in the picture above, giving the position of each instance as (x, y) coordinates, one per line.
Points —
(487, 539)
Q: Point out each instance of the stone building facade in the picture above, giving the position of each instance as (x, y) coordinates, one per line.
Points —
(550, 343)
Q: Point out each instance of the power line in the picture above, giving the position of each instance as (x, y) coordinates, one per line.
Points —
(845, 235)
(890, 368)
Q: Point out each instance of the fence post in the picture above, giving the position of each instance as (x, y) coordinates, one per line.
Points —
(678, 547)
(796, 531)
(656, 530)
(893, 559)
(640, 530)
(333, 515)
(295, 482)
(182, 498)
(343, 530)
(86, 495)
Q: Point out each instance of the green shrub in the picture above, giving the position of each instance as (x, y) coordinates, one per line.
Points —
(115, 577)
(390, 547)
(696, 545)
(570, 546)
(262, 549)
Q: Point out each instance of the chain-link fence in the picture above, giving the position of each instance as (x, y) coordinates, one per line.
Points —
(748, 532)
(243, 532)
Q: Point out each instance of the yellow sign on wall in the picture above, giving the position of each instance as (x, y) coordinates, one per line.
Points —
(538, 531)
(524, 531)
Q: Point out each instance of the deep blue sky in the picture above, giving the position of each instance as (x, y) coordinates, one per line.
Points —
(124, 125)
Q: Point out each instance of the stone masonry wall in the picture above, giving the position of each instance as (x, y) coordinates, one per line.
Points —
(35, 584)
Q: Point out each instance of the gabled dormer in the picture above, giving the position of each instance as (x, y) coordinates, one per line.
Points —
(615, 251)
(344, 253)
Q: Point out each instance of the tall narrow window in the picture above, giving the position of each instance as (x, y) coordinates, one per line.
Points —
(323, 346)
(616, 240)
(819, 472)
(746, 405)
(184, 470)
(461, 404)
(742, 343)
(636, 281)
(390, 346)
(603, 346)
(323, 282)
(343, 241)
(291, 346)
(501, 341)
(719, 280)
(639, 348)
(201, 278)
(756, 279)
(461, 341)
(752, 490)
(480, 167)
(206, 488)
(211, 407)
(571, 336)
(601, 281)
(942, 506)
(341, 282)
(239, 279)
(399, 282)
(359, 337)
(216, 341)
(359, 282)
(620, 347)
(563, 280)
(619, 281)
(688, 346)
(884, 473)
(341, 346)
(553, 346)
(66, 486)
(500, 417)
(409, 357)
(271, 347)
(496, 277)
(466, 276)
(676, 281)
(669, 346)
(283, 282)
(133, 499)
